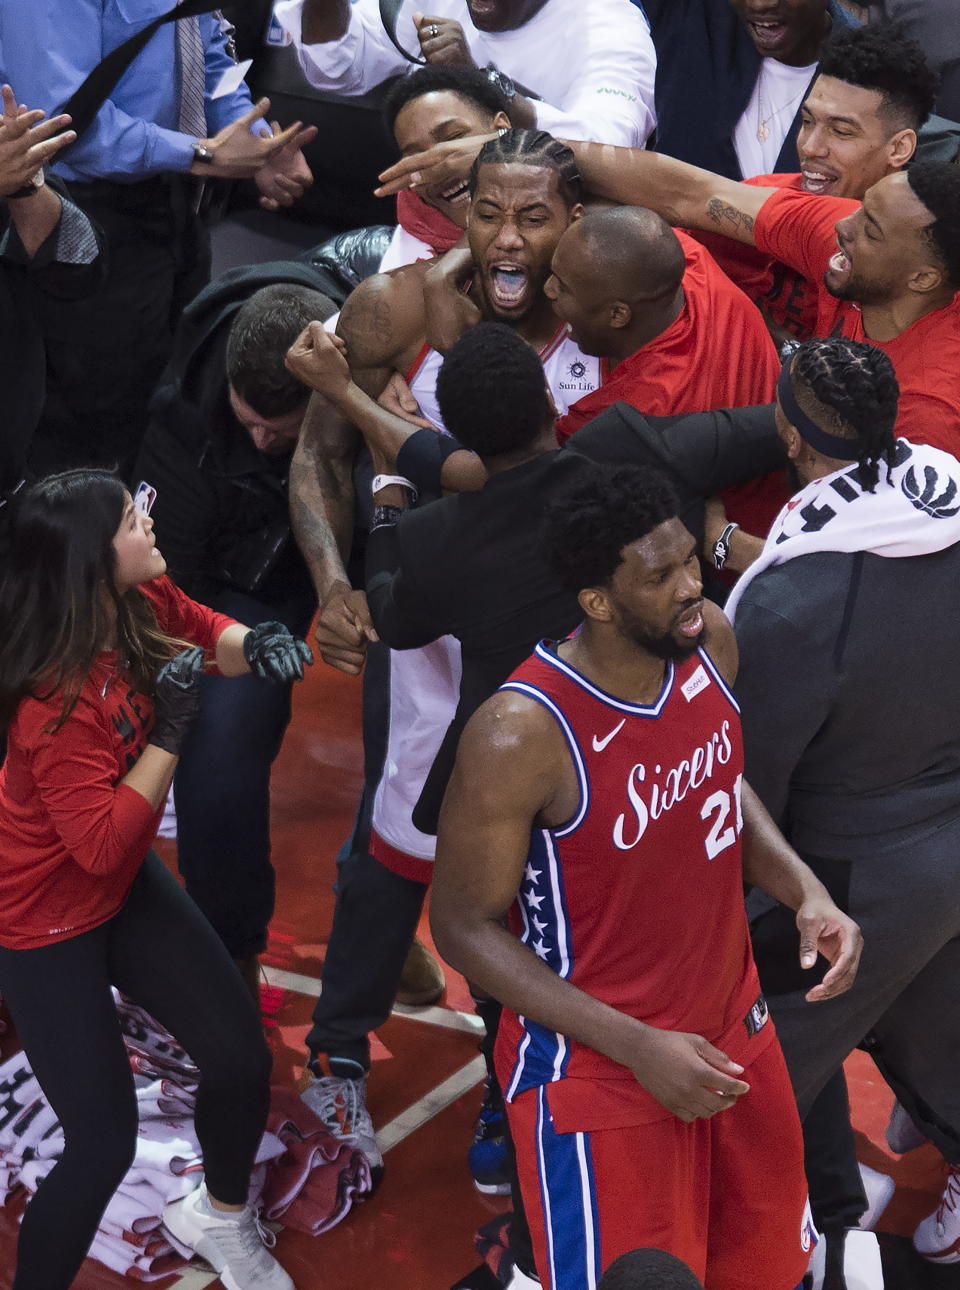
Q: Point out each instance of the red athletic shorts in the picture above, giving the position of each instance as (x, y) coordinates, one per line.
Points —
(727, 1195)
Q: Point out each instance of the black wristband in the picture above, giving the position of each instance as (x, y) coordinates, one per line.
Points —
(384, 515)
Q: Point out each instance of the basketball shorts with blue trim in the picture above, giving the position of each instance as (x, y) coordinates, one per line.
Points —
(727, 1195)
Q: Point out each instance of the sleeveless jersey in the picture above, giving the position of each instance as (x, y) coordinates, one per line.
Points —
(569, 371)
(638, 898)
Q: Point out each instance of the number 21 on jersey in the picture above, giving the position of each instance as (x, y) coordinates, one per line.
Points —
(716, 811)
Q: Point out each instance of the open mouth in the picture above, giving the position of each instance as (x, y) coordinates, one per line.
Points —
(456, 194)
(509, 284)
(816, 181)
(484, 10)
(691, 622)
(768, 34)
(840, 263)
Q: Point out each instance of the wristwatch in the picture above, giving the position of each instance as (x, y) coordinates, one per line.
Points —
(721, 548)
(500, 81)
(202, 154)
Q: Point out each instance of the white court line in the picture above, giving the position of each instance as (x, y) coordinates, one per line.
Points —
(408, 1121)
(467, 1022)
(431, 1104)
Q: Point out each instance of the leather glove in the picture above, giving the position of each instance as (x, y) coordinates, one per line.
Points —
(176, 699)
(275, 654)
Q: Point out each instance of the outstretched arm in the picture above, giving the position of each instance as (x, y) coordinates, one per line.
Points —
(511, 767)
(684, 195)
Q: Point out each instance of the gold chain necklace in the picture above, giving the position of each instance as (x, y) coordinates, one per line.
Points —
(763, 122)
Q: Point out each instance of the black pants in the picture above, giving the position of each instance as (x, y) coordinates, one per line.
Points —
(105, 353)
(161, 952)
(222, 786)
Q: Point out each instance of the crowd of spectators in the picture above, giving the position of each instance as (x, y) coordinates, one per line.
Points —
(624, 466)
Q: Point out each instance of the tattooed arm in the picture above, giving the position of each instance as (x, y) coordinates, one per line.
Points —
(686, 196)
(321, 482)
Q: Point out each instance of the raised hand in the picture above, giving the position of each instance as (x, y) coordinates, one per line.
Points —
(27, 142)
(442, 41)
(238, 154)
(286, 175)
(318, 359)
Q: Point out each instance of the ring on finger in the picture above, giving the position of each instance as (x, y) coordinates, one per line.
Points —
(433, 30)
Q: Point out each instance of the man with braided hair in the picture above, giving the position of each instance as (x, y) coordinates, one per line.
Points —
(889, 268)
(525, 191)
(855, 749)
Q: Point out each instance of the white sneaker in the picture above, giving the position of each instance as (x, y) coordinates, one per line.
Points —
(937, 1238)
(232, 1244)
(342, 1105)
(879, 1189)
(862, 1268)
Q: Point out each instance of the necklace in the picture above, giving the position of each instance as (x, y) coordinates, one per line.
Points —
(764, 122)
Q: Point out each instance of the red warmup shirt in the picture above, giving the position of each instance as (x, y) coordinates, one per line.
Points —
(799, 230)
(72, 837)
(717, 353)
(788, 298)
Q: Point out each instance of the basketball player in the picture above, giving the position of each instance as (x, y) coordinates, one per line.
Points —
(599, 798)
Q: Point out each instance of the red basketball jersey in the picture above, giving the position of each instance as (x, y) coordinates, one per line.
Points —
(638, 898)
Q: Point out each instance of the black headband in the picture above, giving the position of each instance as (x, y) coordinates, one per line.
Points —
(828, 445)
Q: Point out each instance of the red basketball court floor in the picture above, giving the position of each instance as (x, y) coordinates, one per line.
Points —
(416, 1232)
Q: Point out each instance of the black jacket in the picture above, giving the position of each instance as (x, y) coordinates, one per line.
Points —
(471, 565)
(25, 286)
(221, 513)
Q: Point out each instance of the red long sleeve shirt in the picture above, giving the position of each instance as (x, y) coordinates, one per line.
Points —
(72, 836)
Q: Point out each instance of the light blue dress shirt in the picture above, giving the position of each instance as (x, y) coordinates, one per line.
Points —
(47, 48)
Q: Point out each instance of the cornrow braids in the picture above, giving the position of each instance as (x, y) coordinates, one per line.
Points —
(852, 387)
(532, 148)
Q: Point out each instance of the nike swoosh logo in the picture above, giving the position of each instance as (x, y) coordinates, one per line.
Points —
(600, 744)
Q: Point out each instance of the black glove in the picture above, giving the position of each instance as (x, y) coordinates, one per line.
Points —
(176, 699)
(275, 654)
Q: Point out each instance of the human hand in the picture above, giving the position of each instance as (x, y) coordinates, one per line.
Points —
(344, 628)
(238, 154)
(275, 654)
(176, 699)
(825, 929)
(441, 164)
(319, 359)
(286, 175)
(398, 398)
(442, 41)
(449, 310)
(687, 1075)
(27, 142)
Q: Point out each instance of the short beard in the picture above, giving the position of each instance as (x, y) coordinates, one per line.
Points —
(666, 646)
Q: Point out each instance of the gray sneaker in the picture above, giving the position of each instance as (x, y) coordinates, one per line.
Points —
(342, 1105)
(234, 1246)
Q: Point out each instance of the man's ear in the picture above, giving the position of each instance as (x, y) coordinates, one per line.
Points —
(577, 212)
(900, 148)
(929, 278)
(595, 603)
(792, 442)
(502, 122)
(621, 315)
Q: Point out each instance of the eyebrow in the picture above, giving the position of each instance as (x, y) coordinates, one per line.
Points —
(522, 210)
(834, 119)
(872, 220)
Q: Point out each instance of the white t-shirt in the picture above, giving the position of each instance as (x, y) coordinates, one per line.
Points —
(592, 62)
(774, 103)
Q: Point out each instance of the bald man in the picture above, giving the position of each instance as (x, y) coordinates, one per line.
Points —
(675, 334)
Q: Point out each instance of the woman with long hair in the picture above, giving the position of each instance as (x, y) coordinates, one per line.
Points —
(98, 686)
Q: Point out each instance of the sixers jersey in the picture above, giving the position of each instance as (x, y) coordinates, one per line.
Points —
(638, 898)
(570, 374)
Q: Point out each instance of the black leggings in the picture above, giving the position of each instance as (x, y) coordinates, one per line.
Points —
(161, 952)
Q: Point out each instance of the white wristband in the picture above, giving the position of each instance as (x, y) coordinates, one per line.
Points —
(384, 481)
